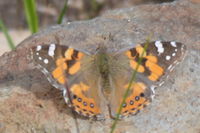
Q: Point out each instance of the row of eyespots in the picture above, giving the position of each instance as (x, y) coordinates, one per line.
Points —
(134, 111)
(84, 103)
(88, 113)
(131, 102)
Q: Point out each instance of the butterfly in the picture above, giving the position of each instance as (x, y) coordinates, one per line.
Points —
(94, 83)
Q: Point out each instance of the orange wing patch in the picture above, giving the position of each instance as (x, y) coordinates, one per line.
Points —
(149, 63)
(75, 68)
(58, 72)
(136, 100)
(140, 50)
(68, 53)
(156, 70)
(132, 56)
(70, 63)
(82, 104)
(134, 64)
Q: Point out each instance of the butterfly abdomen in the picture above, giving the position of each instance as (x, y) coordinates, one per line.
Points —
(102, 62)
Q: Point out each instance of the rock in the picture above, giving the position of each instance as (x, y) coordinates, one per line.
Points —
(28, 103)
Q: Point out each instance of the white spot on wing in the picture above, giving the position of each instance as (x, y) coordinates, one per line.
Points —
(168, 57)
(176, 62)
(172, 68)
(37, 53)
(161, 83)
(159, 46)
(153, 91)
(169, 67)
(52, 48)
(46, 61)
(40, 58)
(173, 44)
(182, 48)
(176, 50)
(65, 95)
(44, 70)
(38, 48)
(173, 54)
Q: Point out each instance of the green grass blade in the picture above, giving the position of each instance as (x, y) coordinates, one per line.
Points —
(61, 16)
(31, 15)
(94, 5)
(113, 127)
(9, 39)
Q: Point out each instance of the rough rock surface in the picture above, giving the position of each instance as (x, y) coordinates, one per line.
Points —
(29, 104)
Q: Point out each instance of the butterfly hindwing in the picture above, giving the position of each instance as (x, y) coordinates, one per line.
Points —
(158, 59)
